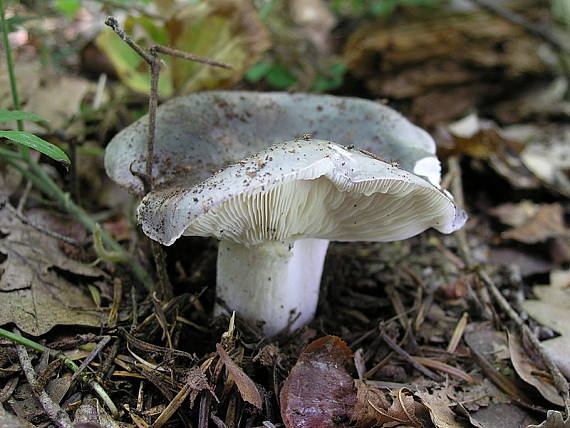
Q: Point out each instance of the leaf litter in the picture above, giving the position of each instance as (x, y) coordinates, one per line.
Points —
(414, 291)
(36, 295)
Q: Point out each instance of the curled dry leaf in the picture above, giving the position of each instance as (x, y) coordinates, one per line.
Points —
(376, 408)
(319, 392)
(245, 385)
(533, 373)
(438, 404)
(551, 309)
(554, 419)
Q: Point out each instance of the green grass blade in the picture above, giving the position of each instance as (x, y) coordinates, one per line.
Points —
(30, 140)
(9, 115)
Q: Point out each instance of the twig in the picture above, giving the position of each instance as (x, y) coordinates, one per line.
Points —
(19, 339)
(41, 229)
(91, 356)
(188, 56)
(163, 286)
(529, 27)
(52, 409)
(172, 406)
(407, 357)
(559, 380)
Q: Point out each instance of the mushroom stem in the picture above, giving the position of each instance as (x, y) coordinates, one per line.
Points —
(274, 282)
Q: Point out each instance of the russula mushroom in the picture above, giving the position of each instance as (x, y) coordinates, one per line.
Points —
(276, 206)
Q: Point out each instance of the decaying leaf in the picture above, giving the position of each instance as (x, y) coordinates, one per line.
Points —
(532, 372)
(319, 392)
(35, 295)
(245, 385)
(554, 419)
(501, 415)
(533, 223)
(551, 310)
(376, 408)
(438, 404)
(227, 31)
(91, 412)
(547, 155)
(55, 97)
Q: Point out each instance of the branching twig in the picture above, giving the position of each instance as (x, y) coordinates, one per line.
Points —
(164, 287)
(52, 409)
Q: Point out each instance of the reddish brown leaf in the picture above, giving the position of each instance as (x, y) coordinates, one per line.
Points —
(245, 385)
(319, 392)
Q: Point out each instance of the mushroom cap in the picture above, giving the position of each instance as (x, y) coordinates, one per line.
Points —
(200, 133)
(301, 189)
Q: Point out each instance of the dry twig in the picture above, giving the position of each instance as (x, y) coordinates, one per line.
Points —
(52, 409)
(559, 380)
(164, 287)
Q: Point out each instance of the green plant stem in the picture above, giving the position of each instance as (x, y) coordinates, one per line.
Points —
(46, 185)
(16, 338)
(10, 154)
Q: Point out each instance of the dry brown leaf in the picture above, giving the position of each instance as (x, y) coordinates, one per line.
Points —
(368, 400)
(554, 419)
(551, 309)
(530, 372)
(547, 222)
(438, 404)
(395, 407)
(319, 392)
(501, 415)
(245, 385)
(35, 296)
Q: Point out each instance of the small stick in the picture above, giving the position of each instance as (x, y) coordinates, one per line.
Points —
(41, 229)
(52, 409)
(91, 356)
(559, 380)
(407, 357)
(164, 287)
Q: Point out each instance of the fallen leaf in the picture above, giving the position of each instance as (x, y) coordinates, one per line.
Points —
(438, 404)
(319, 392)
(554, 419)
(245, 385)
(547, 155)
(547, 222)
(35, 293)
(227, 31)
(529, 371)
(501, 415)
(376, 408)
(551, 309)
(91, 412)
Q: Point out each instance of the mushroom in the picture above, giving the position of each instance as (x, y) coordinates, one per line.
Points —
(277, 205)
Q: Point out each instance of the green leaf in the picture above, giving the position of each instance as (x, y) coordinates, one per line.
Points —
(258, 71)
(279, 77)
(332, 80)
(9, 115)
(30, 140)
(68, 8)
